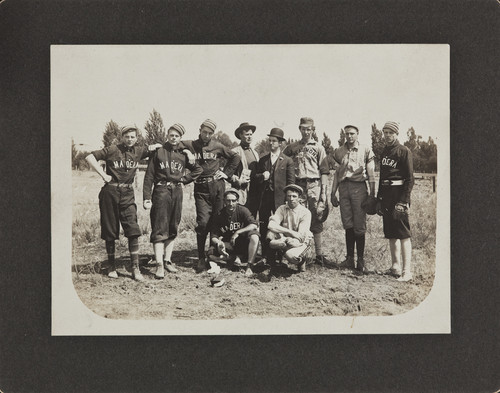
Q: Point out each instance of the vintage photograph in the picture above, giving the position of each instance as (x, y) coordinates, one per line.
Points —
(250, 189)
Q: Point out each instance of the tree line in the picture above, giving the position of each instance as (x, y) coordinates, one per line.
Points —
(424, 152)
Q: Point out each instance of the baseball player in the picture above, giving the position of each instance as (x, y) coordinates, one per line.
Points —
(210, 186)
(167, 171)
(234, 233)
(243, 178)
(274, 172)
(116, 198)
(289, 227)
(395, 186)
(311, 173)
(356, 167)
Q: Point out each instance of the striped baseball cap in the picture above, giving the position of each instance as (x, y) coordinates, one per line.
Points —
(210, 124)
(391, 126)
(178, 127)
(126, 129)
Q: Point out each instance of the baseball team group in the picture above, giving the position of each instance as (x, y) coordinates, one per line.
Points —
(279, 201)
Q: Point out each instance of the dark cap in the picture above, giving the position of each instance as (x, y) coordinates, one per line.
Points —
(306, 121)
(277, 133)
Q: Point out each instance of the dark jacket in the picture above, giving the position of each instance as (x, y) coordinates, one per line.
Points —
(284, 174)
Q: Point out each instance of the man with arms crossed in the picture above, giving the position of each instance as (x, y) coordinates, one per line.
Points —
(356, 167)
(243, 179)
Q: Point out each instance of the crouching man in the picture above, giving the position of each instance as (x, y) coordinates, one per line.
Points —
(234, 233)
(289, 229)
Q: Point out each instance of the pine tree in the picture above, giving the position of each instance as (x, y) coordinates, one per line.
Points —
(342, 137)
(377, 144)
(111, 135)
(155, 130)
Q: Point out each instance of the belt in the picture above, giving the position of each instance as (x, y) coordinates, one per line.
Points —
(202, 180)
(392, 182)
(308, 180)
(169, 183)
(121, 185)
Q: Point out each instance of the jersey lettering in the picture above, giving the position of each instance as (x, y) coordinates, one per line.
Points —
(206, 155)
(386, 161)
(129, 164)
(174, 166)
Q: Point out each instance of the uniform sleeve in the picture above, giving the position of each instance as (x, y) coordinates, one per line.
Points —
(337, 155)
(103, 153)
(149, 178)
(145, 153)
(290, 171)
(194, 172)
(247, 217)
(324, 168)
(278, 216)
(407, 177)
(233, 160)
(187, 145)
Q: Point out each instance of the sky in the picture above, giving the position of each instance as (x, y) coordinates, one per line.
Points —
(265, 85)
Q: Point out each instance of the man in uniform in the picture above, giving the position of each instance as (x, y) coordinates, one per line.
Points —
(311, 173)
(209, 187)
(395, 186)
(274, 172)
(167, 171)
(116, 199)
(356, 167)
(243, 179)
(289, 228)
(234, 232)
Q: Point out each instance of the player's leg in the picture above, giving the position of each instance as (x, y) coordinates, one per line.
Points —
(253, 244)
(346, 214)
(169, 247)
(159, 248)
(395, 247)
(128, 219)
(359, 192)
(110, 224)
(203, 213)
(313, 195)
(406, 249)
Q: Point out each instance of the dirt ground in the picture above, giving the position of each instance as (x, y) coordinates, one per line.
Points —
(319, 291)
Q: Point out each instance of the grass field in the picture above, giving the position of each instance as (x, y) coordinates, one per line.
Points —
(320, 291)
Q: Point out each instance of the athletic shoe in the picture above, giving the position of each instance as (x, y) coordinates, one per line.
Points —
(170, 267)
(217, 281)
(348, 262)
(405, 277)
(112, 274)
(302, 266)
(395, 271)
(136, 275)
(248, 271)
(160, 272)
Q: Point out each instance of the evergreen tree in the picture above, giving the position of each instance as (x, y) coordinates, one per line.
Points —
(155, 130)
(342, 137)
(377, 144)
(111, 135)
(327, 144)
(223, 138)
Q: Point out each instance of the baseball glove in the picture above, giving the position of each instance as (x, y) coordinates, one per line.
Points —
(322, 210)
(400, 211)
(307, 256)
(369, 205)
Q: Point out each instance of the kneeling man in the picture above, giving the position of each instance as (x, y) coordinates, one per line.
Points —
(289, 228)
(234, 233)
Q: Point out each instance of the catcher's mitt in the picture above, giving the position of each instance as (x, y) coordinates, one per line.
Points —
(322, 210)
(307, 256)
(369, 205)
(400, 211)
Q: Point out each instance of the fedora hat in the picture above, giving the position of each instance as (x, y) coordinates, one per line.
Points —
(242, 127)
(277, 133)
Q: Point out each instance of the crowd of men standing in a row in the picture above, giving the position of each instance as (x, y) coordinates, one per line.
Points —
(279, 200)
